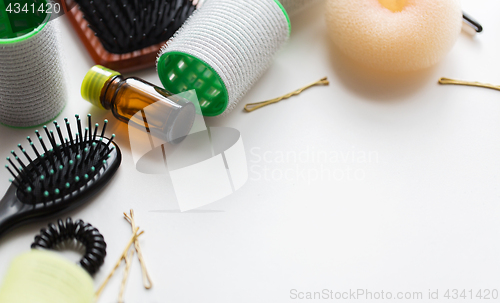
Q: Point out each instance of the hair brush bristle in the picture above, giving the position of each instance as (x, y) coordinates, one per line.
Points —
(60, 168)
(124, 26)
(62, 173)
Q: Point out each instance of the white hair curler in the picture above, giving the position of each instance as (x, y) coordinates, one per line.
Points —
(32, 83)
(222, 50)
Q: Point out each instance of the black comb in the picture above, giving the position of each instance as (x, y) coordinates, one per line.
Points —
(66, 172)
(125, 26)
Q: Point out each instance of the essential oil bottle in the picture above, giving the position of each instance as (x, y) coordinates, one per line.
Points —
(136, 101)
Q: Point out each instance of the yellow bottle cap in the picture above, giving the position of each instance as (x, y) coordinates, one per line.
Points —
(94, 82)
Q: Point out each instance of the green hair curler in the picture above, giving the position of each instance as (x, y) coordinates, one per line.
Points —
(45, 277)
(222, 50)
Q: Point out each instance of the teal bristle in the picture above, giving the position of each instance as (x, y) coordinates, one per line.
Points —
(62, 162)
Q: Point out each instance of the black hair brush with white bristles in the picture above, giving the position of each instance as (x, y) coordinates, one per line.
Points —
(66, 172)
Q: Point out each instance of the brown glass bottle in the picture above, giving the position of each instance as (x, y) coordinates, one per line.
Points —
(140, 103)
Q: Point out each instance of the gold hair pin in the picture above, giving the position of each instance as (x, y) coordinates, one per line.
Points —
(146, 279)
(122, 257)
(446, 81)
(127, 256)
(250, 107)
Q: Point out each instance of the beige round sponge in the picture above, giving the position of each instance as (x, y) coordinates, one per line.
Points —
(394, 35)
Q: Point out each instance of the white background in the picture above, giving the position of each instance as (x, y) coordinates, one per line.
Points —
(425, 215)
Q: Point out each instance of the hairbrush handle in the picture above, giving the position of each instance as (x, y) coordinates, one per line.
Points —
(11, 210)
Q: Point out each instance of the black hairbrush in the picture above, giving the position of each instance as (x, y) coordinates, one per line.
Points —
(63, 175)
(126, 35)
(125, 26)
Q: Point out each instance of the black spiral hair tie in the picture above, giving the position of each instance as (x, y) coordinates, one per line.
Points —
(86, 234)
